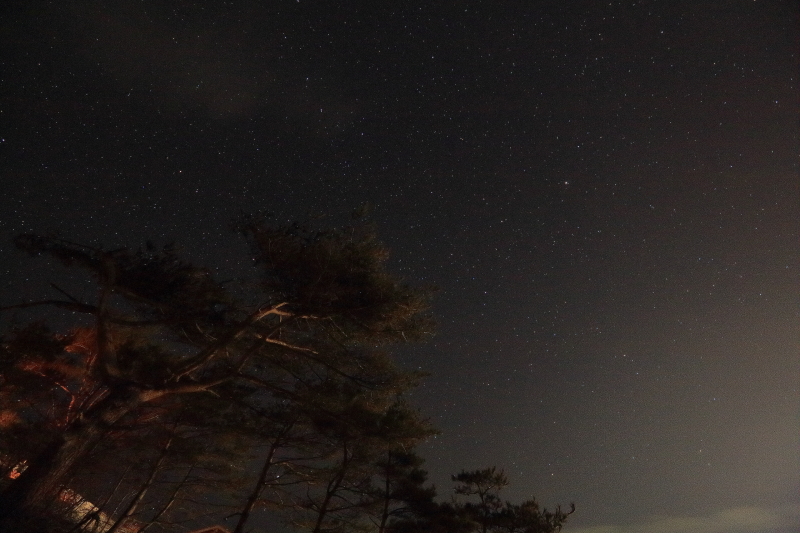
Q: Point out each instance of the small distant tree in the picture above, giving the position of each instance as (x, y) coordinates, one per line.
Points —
(485, 485)
(400, 488)
(485, 512)
(527, 517)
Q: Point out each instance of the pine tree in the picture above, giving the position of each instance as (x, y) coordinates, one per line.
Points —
(164, 332)
(402, 493)
(491, 514)
(485, 484)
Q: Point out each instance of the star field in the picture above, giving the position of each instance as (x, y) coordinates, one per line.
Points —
(605, 194)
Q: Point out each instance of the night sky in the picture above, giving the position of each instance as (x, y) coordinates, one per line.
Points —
(606, 195)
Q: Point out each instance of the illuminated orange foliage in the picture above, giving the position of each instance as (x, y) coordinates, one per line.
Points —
(28, 365)
(18, 470)
(83, 341)
(7, 418)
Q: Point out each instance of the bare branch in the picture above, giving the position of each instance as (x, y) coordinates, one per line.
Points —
(79, 307)
(213, 348)
(307, 351)
(287, 345)
(65, 293)
(70, 306)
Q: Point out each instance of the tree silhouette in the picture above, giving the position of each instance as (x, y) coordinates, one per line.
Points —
(485, 484)
(164, 332)
(175, 397)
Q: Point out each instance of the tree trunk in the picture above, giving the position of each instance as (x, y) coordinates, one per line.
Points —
(331, 489)
(253, 498)
(172, 499)
(387, 489)
(41, 482)
(139, 496)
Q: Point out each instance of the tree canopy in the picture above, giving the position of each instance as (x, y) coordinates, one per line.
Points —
(179, 399)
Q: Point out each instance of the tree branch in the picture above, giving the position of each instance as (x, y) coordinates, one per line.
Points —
(314, 356)
(70, 306)
(211, 350)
